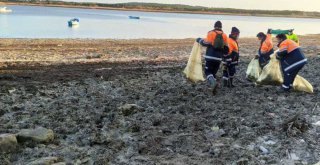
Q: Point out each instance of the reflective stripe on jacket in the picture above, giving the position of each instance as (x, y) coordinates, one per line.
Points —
(291, 55)
(211, 53)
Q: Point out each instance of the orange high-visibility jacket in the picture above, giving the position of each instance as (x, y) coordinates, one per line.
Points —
(290, 55)
(267, 45)
(211, 53)
(233, 54)
(212, 36)
(288, 46)
(233, 46)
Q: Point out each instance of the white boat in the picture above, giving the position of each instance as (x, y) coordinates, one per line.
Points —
(73, 22)
(134, 17)
(5, 10)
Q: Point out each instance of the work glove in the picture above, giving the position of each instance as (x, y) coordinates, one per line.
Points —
(269, 31)
(224, 67)
(278, 57)
(198, 40)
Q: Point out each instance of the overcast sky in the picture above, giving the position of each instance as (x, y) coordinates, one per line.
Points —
(303, 5)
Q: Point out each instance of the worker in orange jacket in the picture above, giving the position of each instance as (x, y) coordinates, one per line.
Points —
(266, 48)
(291, 58)
(217, 45)
(231, 59)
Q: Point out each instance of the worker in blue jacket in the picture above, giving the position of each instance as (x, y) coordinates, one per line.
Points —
(217, 45)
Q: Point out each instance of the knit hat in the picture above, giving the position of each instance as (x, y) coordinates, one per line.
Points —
(235, 30)
(218, 24)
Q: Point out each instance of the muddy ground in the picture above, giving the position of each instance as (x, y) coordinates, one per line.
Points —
(75, 88)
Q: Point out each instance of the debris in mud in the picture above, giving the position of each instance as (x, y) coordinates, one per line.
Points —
(243, 161)
(270, 142)
(293, 156)
(129, 109)
(7, 77)
(8, 142)
(263, 150)
(316, 123)
(215, 128)
(11, 91)
(295, 125)
(92, 56)
(44, 161)
(134, 128)
(170, 121)
(60, 163)
(215, 132)
(40, 134)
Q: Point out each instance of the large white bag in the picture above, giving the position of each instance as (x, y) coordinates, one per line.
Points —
(301, 84)
(194, 70)
(272, 75)
(253, 70)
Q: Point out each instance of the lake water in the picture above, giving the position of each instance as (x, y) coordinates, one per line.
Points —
(51, 22)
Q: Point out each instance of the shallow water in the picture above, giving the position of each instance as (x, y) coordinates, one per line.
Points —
(51, 22)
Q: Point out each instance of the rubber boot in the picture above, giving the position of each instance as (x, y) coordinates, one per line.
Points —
(212, 82)
(225, 83)
(283, 90)
(231, 83)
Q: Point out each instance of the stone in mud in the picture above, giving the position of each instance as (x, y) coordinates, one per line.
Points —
(129, 109)
(8, 143)
(263, 150)
(134, 128)
(91, 56)
(215, 151)
(40, 134)
(2, 112)
(293, 156)
(60, 163)
(243, 161)
(270, 142)
(44, 161)
(317, 163)
(317, 123)
(12, 90)
(215, 132)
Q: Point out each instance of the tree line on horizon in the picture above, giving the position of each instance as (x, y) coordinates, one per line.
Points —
(176, 7)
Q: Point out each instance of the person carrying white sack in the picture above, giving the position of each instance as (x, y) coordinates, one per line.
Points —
(217, 46)
(292, 60)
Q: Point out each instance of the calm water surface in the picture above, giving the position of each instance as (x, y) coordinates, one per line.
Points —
(51, 22)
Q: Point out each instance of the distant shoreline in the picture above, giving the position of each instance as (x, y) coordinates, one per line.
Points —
(303, 36)
(153, 10)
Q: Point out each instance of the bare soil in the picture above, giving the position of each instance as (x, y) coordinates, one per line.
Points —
(75, 88)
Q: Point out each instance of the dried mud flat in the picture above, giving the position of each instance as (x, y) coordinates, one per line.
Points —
(127, 102)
